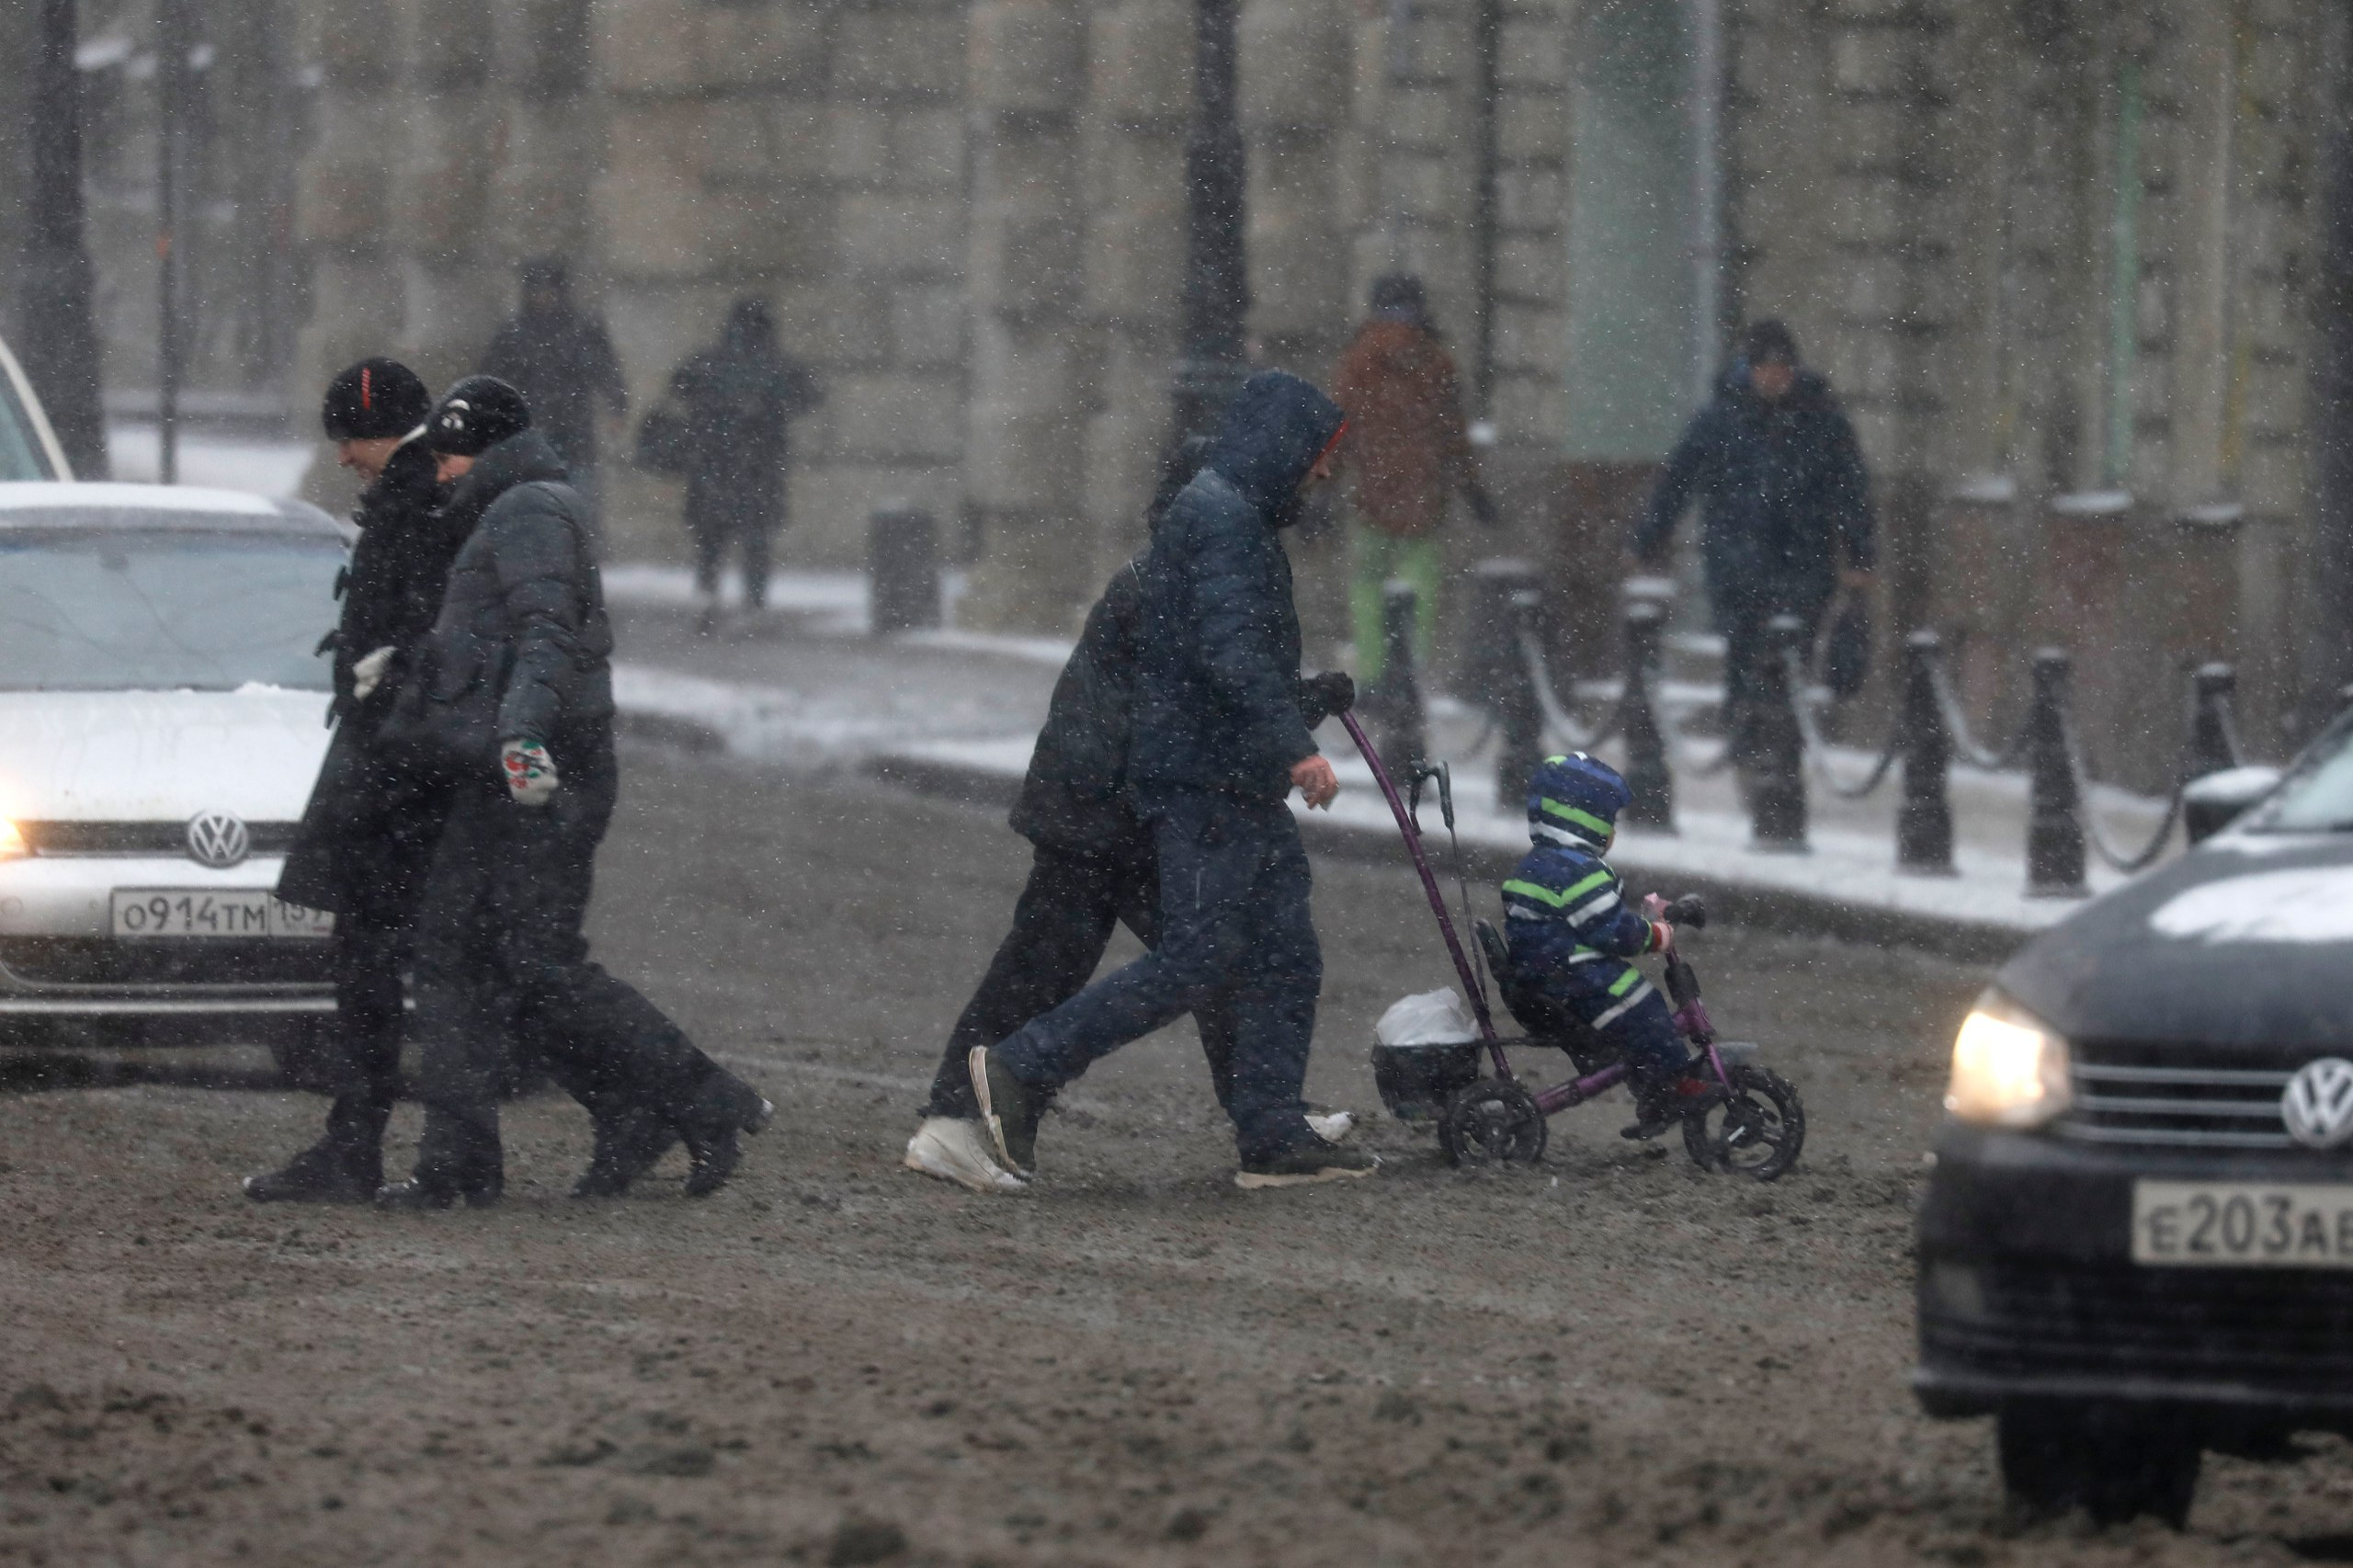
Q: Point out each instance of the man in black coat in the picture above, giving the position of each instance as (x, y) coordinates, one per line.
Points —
(1093, 867)
(561, 359)
(369, 829)
(1786, 504)
(513, 691)
(1219, 739)
(739, 397)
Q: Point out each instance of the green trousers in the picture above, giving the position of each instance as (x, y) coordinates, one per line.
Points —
(1374, 557)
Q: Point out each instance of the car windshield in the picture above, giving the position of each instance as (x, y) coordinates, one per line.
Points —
(2317, 797)
(127, 609)
(20, 452)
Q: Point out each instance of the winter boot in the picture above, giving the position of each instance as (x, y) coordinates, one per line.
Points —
(1665, 1103)
(725, 1107)
(458, 1157)
(1010, 1110)
(344, 1166)
(630, 1142)
(1306, 1158)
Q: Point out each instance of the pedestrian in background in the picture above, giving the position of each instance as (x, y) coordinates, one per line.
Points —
(736, 400)
(1408, 452)
(369, 831)
(561, 359)
(513, 698)
(1218, 740)
(1785, 508)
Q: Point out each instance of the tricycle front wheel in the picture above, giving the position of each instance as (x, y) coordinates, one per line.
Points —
(1756, 1133)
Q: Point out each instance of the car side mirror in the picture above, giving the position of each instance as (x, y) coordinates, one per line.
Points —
(2211, 803)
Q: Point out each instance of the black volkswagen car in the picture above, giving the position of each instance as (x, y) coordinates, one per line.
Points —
(2137, 1242)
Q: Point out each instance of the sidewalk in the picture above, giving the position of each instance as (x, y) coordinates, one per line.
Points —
(954, 713)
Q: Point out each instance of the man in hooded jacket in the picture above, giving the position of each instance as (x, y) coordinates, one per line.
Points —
(369, 829)
(1217, 741)
(1093, 867)
(739, 397)
(513, 699)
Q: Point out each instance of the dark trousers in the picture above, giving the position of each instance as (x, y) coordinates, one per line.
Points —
(500, 952)
(713, 538)
(1062, 923)
(1234, 932)
(1745, 622)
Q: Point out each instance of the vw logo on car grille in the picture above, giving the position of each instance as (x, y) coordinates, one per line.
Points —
(219, 840)
(2318, 1104)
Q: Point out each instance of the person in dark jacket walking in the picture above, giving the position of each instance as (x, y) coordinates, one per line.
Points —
(1218, 740)
(739, 397)
(561, 359)
(1093, 868)
(365, 836)
(513, 689)
(1786, 504)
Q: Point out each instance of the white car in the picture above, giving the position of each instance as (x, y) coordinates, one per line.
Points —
(162, 710)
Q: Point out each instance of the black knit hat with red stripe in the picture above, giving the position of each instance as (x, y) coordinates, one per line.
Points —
(374, 399)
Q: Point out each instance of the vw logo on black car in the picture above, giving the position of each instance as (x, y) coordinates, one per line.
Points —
(217, 839)
(2318, 1103)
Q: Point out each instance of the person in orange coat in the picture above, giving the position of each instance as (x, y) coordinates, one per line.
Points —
(1407, 453)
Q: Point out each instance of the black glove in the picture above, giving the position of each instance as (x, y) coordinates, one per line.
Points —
(1482, 506)
(1321, 696)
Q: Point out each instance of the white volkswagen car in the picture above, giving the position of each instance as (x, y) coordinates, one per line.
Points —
(162, 710)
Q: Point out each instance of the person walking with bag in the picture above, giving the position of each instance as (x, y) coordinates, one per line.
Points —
(512, 697)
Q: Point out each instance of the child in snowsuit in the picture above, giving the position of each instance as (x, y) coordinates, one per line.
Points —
(1572, 934)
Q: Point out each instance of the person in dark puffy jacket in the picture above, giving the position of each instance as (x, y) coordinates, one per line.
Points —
(739, 397)
(1217, 741)
(369, 829)
(1093, 867)
(512, 694)
(1785, 503)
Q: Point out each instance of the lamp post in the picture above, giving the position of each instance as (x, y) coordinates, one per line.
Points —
(58, 336)
(1217, 278)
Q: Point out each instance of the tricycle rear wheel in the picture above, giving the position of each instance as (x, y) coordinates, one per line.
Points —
(1493, 1121)
(1756, 1133)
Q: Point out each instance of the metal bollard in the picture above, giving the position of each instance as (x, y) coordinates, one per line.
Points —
(902, 569)
(1777, 781)
(1492, 625)
(2212, 745)
(2054, 828)
(1924, 819)
(1400, 727)
(1519, 713)
(1647, 777)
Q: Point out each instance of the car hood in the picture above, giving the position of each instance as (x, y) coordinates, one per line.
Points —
(159, 755)
(2246, 941)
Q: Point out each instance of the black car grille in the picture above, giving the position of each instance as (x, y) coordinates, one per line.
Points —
(140, 838)
(2292, 1329)
(97, 960)
(2178, 1097)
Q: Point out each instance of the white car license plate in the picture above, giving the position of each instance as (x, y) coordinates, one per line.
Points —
(216, 912)
(2242, 1224)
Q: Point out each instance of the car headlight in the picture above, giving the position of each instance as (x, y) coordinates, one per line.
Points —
(12, 842)
(2009, 1068)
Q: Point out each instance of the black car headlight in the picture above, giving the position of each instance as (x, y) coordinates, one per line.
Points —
(2009, 1068)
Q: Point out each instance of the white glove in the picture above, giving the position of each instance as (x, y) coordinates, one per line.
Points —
(530, 772)
(367, 673)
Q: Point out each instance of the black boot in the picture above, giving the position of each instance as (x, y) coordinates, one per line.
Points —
(628, 1143)
(725, 1107)
(344, 1166)
(458, 1157)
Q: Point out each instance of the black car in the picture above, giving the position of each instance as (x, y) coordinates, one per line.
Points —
(2137, 1242)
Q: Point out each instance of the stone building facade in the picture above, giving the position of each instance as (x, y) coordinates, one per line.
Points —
(2063, 259)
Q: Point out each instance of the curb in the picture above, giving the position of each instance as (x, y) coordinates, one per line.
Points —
(1729, 902)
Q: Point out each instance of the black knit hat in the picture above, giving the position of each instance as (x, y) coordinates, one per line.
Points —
(372, 400)
(1769, 341)
(474, 415)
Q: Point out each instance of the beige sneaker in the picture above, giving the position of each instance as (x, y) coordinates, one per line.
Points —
(958, 1151)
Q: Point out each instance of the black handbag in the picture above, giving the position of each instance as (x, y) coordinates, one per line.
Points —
(444, 721)
(1846, 652)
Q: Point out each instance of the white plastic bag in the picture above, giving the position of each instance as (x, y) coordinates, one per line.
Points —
(1434, 1018)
